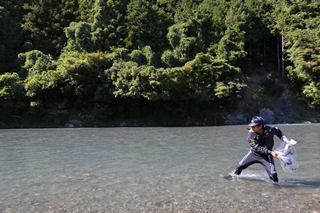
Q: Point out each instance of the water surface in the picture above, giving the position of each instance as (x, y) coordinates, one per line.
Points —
(151, 169)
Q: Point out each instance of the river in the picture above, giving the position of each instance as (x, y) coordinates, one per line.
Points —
(151, 169)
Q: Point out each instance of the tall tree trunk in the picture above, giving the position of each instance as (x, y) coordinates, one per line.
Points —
(278, 57)
(282, 52)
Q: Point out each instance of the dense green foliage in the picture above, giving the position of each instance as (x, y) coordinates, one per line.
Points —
(305, 51)
(133, 58)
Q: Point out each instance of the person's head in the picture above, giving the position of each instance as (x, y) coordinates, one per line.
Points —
(257, 123)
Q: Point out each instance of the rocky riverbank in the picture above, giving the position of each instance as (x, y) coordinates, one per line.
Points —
(276, 103)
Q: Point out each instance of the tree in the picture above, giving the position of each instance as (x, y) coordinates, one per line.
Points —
(257, 21)
(207, 79)
(231, 45)
(304, 52)
(41, 80)
(146, 25)
(106, 31)
(35, 62)
(86, 10)
(284, 21)
(85, 81)
(44, 22)
(204, 79)
(185, 42)
(185, 10)
(211, 17)
(10, 40)
(12, 93)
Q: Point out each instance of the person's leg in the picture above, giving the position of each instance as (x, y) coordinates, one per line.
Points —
(268, 163)
(246, 161)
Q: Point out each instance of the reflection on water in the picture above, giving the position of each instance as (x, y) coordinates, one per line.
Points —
(150, 169)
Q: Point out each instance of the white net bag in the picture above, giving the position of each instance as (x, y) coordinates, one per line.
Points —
(287, 157)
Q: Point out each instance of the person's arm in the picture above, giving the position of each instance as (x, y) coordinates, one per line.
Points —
(282, 137)
(255, 145)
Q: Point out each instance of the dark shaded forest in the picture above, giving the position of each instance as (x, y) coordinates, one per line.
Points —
(149, 62)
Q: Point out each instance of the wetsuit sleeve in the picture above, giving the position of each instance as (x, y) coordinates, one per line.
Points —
(255, 145)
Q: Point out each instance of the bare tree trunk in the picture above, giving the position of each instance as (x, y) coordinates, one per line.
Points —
(282, 51)
(278, 57)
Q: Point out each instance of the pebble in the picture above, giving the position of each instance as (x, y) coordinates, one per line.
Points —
(85, 175)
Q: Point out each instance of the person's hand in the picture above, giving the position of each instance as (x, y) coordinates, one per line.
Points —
(274, 154)
(289, 144)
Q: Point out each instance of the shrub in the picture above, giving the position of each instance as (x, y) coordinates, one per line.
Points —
(12, 93)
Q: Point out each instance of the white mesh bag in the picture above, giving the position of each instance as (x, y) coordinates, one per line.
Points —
(287, 157)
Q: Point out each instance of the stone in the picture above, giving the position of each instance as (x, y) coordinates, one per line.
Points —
(75, 122)
(123, 124)
(67, 125)
(85, 175)
(236, 119)
(267, 115)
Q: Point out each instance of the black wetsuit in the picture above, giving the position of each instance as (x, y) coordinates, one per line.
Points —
(260, 152)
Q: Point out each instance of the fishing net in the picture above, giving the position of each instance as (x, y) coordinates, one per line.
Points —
(287, 156)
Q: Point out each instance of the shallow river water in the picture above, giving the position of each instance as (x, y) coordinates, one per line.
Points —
(163, 169)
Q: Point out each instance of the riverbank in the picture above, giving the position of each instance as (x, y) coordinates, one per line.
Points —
(266, 95)
(287, 113)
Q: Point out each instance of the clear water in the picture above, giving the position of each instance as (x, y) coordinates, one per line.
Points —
(151, 169)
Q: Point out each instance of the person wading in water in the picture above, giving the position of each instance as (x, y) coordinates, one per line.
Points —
(260, 138)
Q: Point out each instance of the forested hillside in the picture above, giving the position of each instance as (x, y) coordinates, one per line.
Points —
(149, 62)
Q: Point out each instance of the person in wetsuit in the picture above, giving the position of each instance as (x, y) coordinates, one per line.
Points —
(260, 138)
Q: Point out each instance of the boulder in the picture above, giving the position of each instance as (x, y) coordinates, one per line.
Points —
(267, 115)
(123, 124)
(67, 125)
(286, 117)
(75, 122)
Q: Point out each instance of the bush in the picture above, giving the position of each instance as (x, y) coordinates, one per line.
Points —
(203, 79)
(139, 57)
(84, 78)
(35, 62)
(12, 93)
